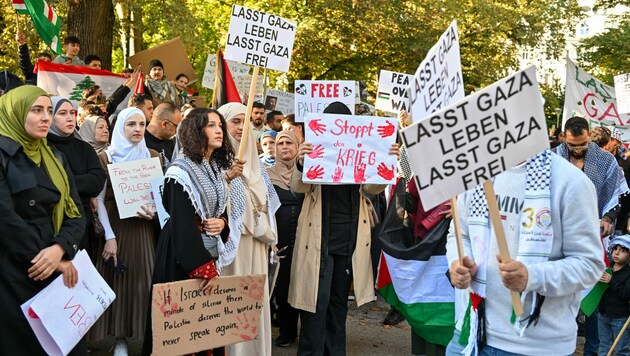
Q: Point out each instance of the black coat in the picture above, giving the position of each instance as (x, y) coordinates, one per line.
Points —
(287, 218)
(614, 302)
(26, 65)
(27, 197)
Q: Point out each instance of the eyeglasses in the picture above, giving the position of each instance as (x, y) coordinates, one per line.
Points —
(573, 147)
(171, 122)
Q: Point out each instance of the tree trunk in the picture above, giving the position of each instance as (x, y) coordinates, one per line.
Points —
(92, 21)
(123, 19)
(137, 44)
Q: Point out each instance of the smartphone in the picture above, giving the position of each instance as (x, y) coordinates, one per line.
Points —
(119, 269)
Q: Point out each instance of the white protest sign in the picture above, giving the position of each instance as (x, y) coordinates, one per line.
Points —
(476, 138)
(260, 39)
(209, 73)
(393, 91)
(622, 91)
(243, 83)
(438, 79)
(315, 95)
(61, 316)
(157, 187)
(280, 100)
(350, 149)
(131, 182)
(590, 98)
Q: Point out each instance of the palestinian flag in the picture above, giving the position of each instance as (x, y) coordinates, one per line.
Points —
(591, 297)
(45, 20)
(225, 90)
(412, 277)
(382, 95)
(70, 81)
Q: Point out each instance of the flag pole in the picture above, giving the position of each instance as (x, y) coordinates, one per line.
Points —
(499, 233)
(623, 330)
(458, 230)
(248, 114)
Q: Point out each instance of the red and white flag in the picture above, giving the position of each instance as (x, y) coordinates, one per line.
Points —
(70, 81)
(19, 6)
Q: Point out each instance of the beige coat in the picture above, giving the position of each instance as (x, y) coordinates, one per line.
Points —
(307, 248)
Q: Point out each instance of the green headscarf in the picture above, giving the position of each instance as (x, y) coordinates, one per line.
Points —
(14, 106)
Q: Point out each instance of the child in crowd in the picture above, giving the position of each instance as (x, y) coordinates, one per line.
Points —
(71, 46)
(613, 307)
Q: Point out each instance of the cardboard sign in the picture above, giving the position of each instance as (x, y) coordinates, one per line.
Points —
(186, 320)
(438, 81)
(350, 149)
(280, 100)
(260, 39)
(590, 98)
(61, 316)
(131, 182)
(393, 91)
(315, 95)
(622, 91)
(243, 83)
(172, 54)
(476, 138)
(209, 73)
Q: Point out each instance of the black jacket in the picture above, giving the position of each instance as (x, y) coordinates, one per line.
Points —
(26, 65)
(27, 197)
(614, 302)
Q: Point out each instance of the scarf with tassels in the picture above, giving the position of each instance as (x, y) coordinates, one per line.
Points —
(534, 246)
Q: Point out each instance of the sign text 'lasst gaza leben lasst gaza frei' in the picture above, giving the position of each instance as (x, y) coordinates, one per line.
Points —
(260, 39)
(476, 138)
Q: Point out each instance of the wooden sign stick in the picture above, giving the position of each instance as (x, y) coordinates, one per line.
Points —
(495, 217)
(623, 330)
(458, 230)
(248, 114)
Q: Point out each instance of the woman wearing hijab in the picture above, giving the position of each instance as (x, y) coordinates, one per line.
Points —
(40, 214)
(195, 196)
(159, 87)
(253, 203)
(287, 144)
(336, 219)
(130, 243)
(95, 132)
(89, 176)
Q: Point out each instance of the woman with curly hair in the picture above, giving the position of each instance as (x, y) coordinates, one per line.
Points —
(195, 195)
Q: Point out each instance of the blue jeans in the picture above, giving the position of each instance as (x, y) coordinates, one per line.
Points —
(609, 328)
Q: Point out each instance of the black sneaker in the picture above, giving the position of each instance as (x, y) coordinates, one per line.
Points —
(282, 341)
(393, 318)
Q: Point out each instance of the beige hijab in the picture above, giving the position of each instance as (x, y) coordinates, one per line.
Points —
(280, 173)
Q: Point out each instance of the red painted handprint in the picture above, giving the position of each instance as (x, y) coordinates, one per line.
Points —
(246, 330)
(386, 130)
(359, 173)
(338, 176)
(252, 289)
(316, 172)
(383, 171)
(318, 152)
(316, 127)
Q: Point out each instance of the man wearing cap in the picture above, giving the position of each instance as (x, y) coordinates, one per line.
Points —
(160, 88)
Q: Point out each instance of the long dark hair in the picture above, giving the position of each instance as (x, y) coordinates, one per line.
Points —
(194, 142)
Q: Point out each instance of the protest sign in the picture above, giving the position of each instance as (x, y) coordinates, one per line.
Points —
(315, 95)
(393, 91)
(131, 182)
(157, 187)
(61, 316)
(185, 319)
(243, 84)
(476, 138)
(280, 100)
(622, 91)
(236, 69)
(260, 39)
(590, 98)
(349, 149)
(172, 54)
(438, 81)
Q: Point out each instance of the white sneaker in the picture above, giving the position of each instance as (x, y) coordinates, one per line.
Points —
(121, 348)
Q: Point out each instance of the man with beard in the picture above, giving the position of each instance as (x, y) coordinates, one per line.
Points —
(602, 169)
(258, 120)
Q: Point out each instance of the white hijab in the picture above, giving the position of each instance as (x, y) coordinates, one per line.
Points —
(121, 149)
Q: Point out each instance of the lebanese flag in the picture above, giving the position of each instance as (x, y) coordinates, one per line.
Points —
(70, 81)
(225, 90)
(412, 279)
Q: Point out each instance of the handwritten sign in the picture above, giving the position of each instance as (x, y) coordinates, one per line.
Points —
(350, 149)
(438, 79)
(313, 96)
(590, 98)
(280, 100)
(476, 138)
(131, 182)
(61, 316)
(393, 91)
(185, 319)
(260, 39)
(622, 91)
(243, 83)
(209, 73)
